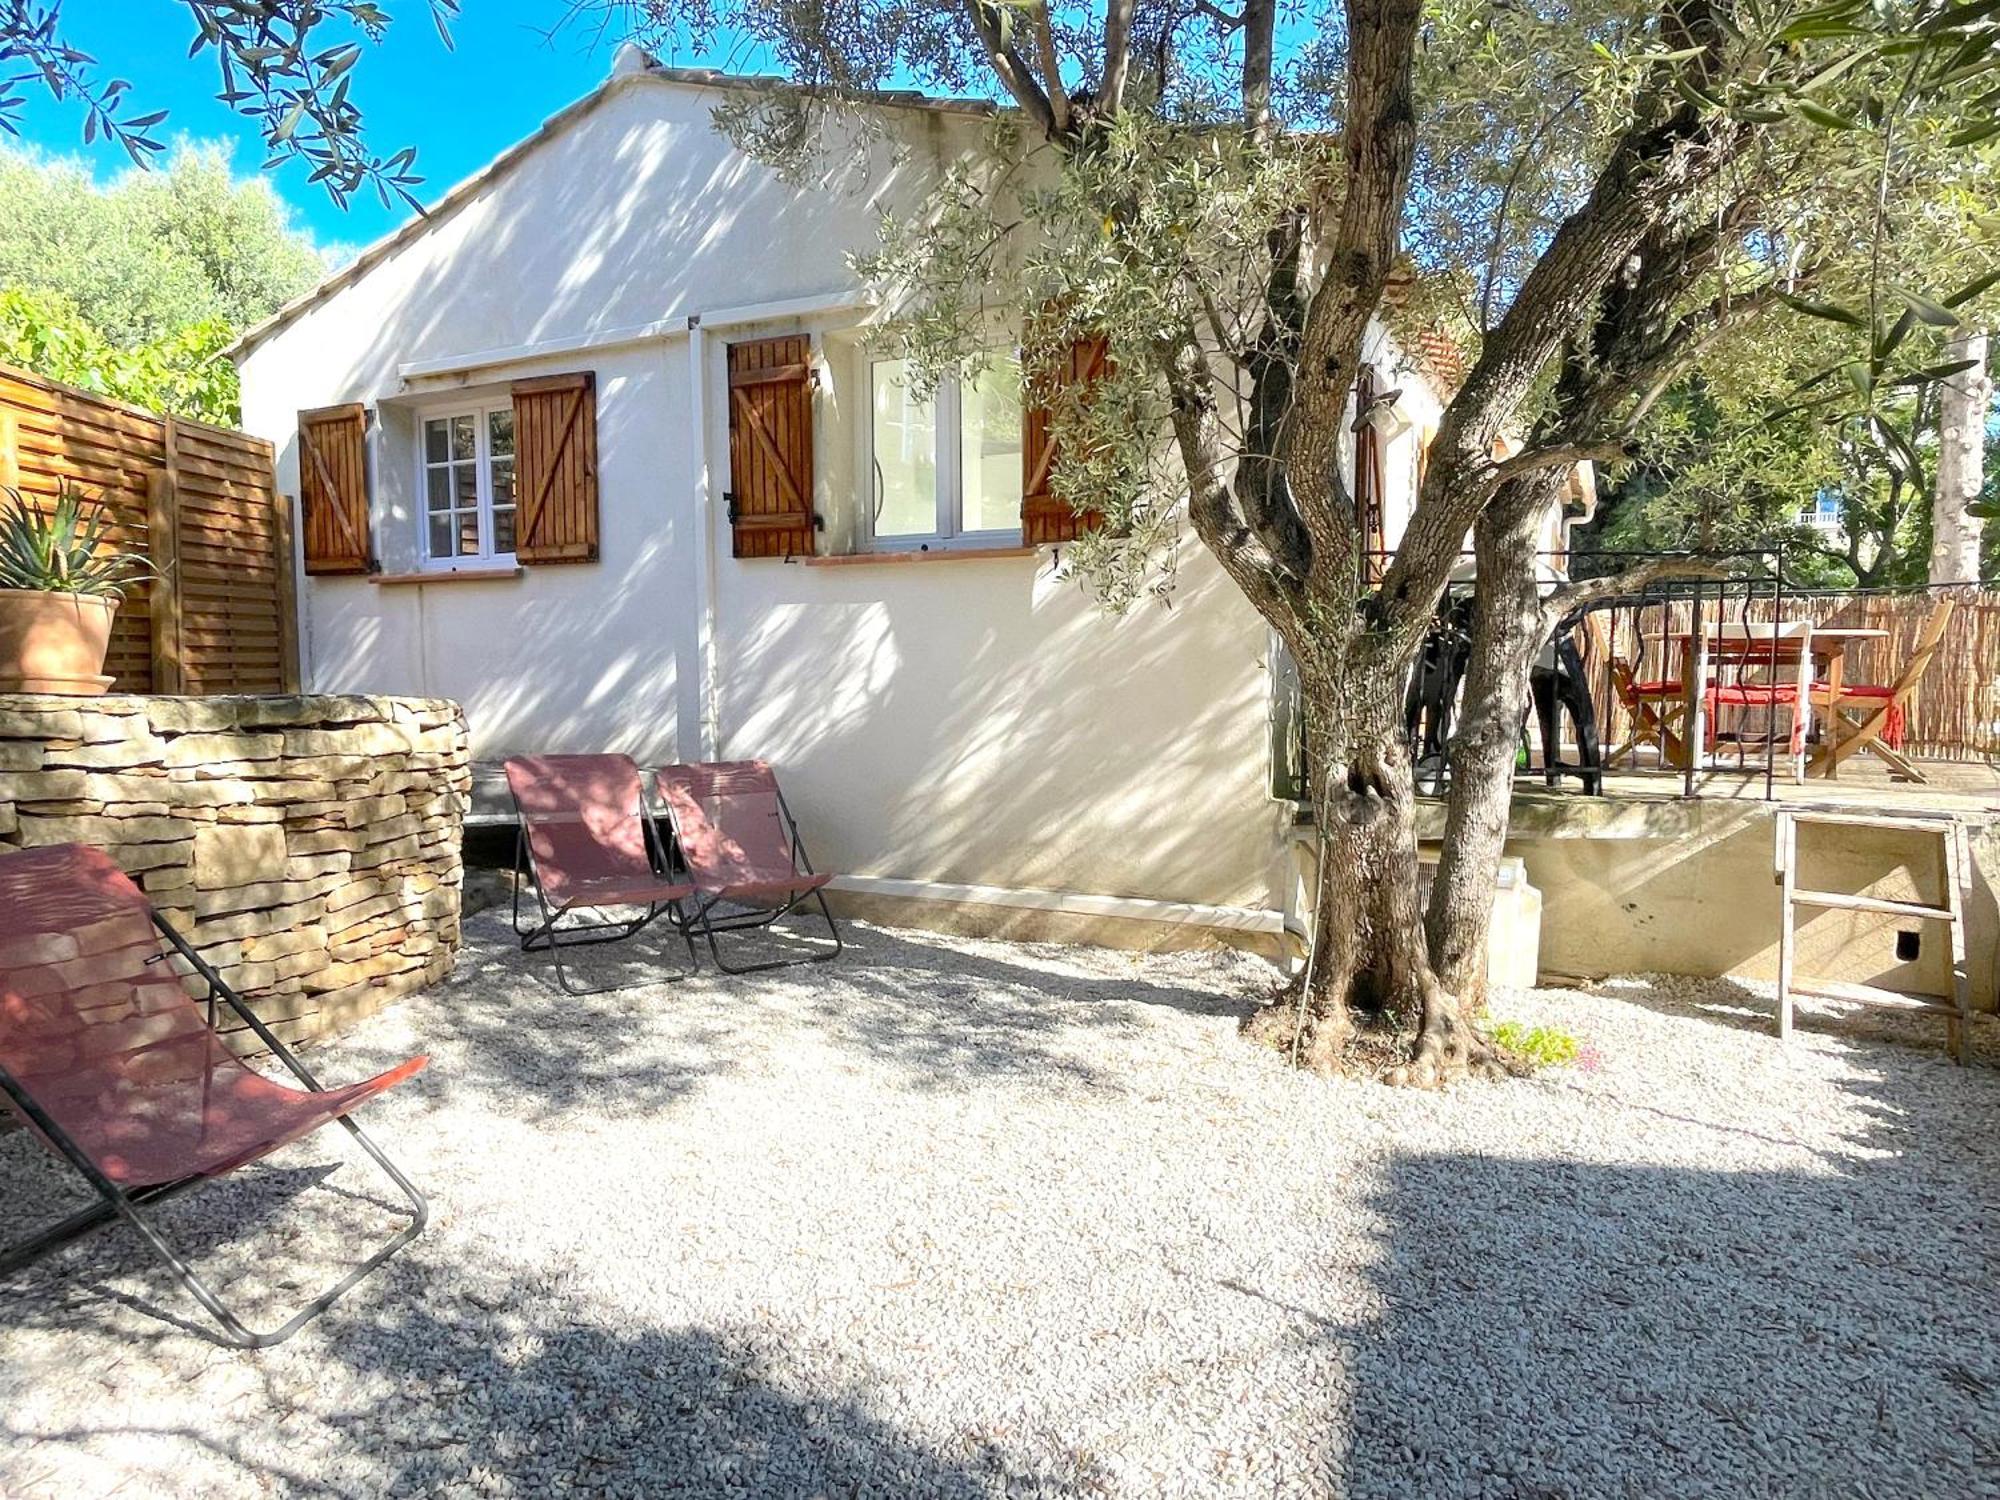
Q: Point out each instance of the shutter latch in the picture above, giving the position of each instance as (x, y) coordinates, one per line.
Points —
(735, 511)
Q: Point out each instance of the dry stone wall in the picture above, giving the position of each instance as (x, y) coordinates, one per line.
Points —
(309, 847)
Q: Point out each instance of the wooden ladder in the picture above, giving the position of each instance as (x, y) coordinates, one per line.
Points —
(1950, 834)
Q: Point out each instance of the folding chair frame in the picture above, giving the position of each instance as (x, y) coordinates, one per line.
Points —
(756, 919)
(547, 936)
(129, 1204)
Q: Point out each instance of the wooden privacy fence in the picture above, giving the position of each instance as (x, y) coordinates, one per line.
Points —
(201, 502)
(1957, 712)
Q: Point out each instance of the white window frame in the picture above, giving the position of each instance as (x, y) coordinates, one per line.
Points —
(481, 413)
(948, 417)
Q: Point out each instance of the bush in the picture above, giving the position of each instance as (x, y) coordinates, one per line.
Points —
(1536, 1046)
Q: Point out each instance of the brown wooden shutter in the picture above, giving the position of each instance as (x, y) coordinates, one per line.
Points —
(333, 489)
(1368, 499)
(771, 447)
(555, 469)
(1045, 515)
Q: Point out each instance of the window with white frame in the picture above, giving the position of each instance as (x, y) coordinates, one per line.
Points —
(467, 486)
(946, 468)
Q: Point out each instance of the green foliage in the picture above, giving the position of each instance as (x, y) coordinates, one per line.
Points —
(287, 64)
(63, 550)
(134, 290)
(151, 252)
(1536, 1046)
(182, 373)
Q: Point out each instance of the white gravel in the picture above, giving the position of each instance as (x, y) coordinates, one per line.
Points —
(963, 1218)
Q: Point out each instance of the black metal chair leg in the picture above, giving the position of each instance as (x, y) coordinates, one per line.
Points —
(710, 929)
(120, 1204)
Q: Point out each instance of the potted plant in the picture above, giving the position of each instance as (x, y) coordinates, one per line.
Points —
(60, 583)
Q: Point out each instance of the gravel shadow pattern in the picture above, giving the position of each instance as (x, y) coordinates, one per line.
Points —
(956, 1218)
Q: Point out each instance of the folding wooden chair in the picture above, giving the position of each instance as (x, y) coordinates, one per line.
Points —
(741, 845)
(1882, 709)
(588, 846)
(111, 1063)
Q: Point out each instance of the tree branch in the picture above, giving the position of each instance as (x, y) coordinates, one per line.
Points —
(1559, 455)
(1052, 84)
(1011, 68)
(1117, 54)
(1260, 28)
(1571, 597)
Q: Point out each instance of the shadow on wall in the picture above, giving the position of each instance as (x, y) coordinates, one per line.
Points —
(985, 724)
(619, 221)
(988, 723)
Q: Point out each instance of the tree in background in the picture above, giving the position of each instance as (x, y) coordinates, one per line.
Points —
(1222, 194)
(135, 289)
(1965, 404)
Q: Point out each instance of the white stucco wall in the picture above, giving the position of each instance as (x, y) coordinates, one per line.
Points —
(972, 721)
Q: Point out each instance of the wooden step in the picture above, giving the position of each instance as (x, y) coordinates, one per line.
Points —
(1842, 901)
(1868, 994)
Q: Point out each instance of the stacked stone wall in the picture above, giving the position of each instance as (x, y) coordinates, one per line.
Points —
(308, 847)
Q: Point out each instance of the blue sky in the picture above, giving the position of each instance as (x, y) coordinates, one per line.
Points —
(459, 108)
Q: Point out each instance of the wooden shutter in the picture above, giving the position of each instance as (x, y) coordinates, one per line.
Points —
(771, 447)
(555, 469)
(333, 489)
(1368, 506)
(1045, 515)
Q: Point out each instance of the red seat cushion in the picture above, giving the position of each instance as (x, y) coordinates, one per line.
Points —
(1755, 695)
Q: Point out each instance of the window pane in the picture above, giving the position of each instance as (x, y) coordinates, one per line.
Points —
(438, 485)
(464, 437)
(465, 482)
(441, 536)
(500, 432)
(435, 451)
(468, 533)
(503, 482)
(905, 455)
(990, 449)
(503, 529)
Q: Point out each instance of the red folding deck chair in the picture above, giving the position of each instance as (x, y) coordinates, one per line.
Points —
(110, 1061)
(741, 845)
(589, 846)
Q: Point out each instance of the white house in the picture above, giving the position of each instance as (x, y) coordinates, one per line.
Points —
(599, 449)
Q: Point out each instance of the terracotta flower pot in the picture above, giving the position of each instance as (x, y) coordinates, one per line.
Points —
(54, 643)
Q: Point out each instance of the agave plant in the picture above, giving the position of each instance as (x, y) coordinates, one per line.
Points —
(63, 550)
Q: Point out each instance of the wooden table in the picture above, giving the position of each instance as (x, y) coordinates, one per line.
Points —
(1798, 644)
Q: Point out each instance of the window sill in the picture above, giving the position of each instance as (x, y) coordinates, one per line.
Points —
(935, 555)
(445, 575)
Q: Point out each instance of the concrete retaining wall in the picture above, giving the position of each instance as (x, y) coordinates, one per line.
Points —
(1667, 885)
(309, 847)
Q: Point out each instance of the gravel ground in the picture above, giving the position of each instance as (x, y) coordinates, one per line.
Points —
(962, 1218)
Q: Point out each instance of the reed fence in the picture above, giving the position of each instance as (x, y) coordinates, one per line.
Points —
(1956, 714)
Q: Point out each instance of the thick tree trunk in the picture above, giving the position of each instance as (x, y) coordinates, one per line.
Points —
(1964, 400)
(1369, 968)
(1508, 629)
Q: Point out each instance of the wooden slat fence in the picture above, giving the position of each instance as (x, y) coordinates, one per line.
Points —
(201, 502)
(1957, 712)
